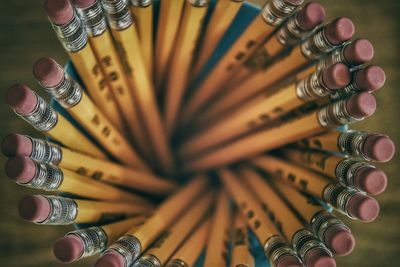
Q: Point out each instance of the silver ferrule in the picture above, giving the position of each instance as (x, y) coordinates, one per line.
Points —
(275, 248)
(148, 261)
(62, 211)
(322, 220)
(177, 263)
(336, 56)
(312, 87)
(67, 93)
(46, 177)
(351, 89)
(141, 3)
(128, 247)
(94, 19)
(275, 12)
(290, 33)
(338, 196)
(347, 169)
(45, 151)
(304, 241)
(43, 117)
(335, 115)
(94, 240)
(317, 45)
(351, 143)
(118, 14)
(72, 35)
(199, 3)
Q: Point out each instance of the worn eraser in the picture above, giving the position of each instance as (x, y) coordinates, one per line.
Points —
(21, 98)
(16, 144)
(60, 12)
(68, 248)
(34, 208)
(48, 72)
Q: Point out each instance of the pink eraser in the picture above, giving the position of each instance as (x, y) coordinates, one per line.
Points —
(16, 144)
(319, 258)
(110, 259)
(310, 16)
(371, 180)
(288, 261)
(20, 169)
(83, 3)
(339, 240)
(339, 30)
(34, 208)
(370, 78)
(336, 76)
(21, 98)
(362, 207)
(48, 72)
(361, 105)
(359, 52)
(68, 249)
(379, 147)
(60, 12)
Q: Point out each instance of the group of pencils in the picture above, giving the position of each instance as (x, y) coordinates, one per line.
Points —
(160, 157)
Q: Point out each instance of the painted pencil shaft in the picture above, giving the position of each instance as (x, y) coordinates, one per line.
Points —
(221, 18)
(167, 30)
(240, 244)
(178, 77)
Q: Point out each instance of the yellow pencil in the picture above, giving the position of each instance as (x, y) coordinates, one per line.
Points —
(241, 256)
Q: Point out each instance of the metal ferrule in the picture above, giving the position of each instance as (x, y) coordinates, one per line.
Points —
(177, 263)
(67, 93)
(312, 87)
(317, 45)
(290, 33)
(128, 247)
(62, 211)
(275, 12)
(118, 14)
(347, 169)
(352, 143)
(336, 56)
(199, 3)
(338, 196)
(46, 177)
(43, 117)
(94, 240)
(276, 247)
(323, 220)
(304, 241)
(45, 151)
(349, 90)
(335, 115)
(94, 19)
(72, 35)
(148, 261)
(141, 3)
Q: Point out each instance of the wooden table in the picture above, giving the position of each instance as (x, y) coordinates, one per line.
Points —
(26, 35)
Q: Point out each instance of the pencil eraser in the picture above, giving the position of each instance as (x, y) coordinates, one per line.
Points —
(34, 208)
(336, 76)
(362, 207)
(379, 147)
(310, 16)
(16, 144)
(319, 258)
(370, 78)
(48, 72)
(371, 180)
(288, 261)
(83, 3)
(21, 98)
(60, 12)
(20, 169)
(359, 52)
(361, 105)
(339, 30)
(68, 249)
(339, 240)
(110, 259)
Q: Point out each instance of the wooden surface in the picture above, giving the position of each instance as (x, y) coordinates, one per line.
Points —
(25, 35)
